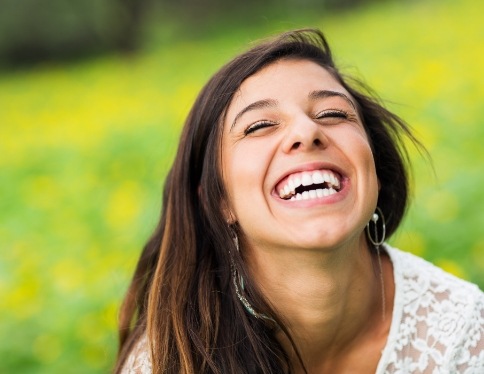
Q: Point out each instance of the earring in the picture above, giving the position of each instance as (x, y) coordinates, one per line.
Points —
(376, 241)
(238, 280)
(375, 218)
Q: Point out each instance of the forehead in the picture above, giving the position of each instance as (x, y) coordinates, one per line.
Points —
(283, 80)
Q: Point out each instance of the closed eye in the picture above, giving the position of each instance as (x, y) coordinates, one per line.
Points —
(332, 113)
(257, 126)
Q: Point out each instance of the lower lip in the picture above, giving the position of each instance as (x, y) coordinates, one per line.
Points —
(319, 201)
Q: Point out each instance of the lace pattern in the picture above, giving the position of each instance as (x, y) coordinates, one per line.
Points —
(139, 360)
(438, 321)
(437, 324)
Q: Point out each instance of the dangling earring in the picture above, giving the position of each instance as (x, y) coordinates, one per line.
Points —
(374, 218)
(377, 241)
(238, 280)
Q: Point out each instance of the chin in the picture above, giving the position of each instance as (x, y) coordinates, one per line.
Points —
(322, 241)
(319, 240)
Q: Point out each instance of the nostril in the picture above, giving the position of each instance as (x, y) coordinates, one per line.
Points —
(317, 142)
(296, 145)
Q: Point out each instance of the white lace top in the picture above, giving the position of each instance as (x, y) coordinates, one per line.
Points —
(437, 324)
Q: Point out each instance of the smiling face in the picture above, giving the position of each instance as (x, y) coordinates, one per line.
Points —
(296, 161)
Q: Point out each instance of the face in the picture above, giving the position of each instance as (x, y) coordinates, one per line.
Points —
(296, 161)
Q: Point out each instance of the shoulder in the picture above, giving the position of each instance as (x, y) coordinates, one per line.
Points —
(438, 318)
(139, 359)
(417, 276)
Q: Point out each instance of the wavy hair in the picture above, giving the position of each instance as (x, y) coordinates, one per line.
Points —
(181, 294)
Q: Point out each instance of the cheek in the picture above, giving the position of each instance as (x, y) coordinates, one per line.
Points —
(244, 178)
(357, 147)
(368, 166)
(353, 141)
(369, 169)
(244, 175)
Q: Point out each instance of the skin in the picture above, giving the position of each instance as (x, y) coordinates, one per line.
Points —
(309, 257)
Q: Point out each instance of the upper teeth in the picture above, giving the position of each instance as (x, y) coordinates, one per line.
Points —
(288, 189)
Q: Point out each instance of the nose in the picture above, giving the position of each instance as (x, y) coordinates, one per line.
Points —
(304, 134)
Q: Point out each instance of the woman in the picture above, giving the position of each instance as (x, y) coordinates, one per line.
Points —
(269, 255)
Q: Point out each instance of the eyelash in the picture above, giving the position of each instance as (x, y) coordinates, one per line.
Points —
(329, 113)
(258, 125)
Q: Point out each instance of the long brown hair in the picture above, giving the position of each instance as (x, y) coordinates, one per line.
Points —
(181, 294)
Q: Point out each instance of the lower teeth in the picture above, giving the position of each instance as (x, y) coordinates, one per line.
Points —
(314, 194)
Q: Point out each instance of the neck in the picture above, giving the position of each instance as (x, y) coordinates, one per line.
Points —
(329, 300)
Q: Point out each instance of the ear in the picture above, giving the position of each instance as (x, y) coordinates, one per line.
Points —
(228, 214)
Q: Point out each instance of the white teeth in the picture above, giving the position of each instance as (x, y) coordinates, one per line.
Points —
(317, 177)
(313, 194)
(288, 192)
(334, 181)
(307, 180)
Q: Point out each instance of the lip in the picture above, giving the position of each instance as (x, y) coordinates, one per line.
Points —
(320, 201)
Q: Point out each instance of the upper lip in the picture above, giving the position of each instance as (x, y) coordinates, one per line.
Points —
(313, 166)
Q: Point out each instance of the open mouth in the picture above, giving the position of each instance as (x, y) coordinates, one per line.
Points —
(309, 185)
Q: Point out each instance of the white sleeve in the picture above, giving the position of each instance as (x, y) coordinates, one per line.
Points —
(139, 359)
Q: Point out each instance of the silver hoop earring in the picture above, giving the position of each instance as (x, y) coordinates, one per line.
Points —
(238, 282)
(375, 239)
(377, 242)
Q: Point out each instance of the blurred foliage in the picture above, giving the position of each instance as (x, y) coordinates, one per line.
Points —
(85, 147)
(201, 13)
(32, 30)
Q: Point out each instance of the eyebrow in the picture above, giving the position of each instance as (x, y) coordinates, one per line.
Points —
(322, 94)
(260, 104)
(270, 103)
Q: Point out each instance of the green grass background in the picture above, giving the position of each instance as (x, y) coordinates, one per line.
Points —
(84, 148)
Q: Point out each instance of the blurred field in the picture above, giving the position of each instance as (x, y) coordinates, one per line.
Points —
(84, 148)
